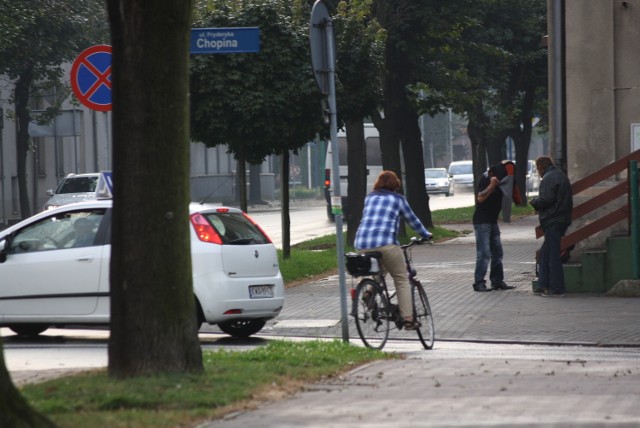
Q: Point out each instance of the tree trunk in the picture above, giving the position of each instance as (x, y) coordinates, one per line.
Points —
(22, 89)
(153, 322)
(415, 189)
(284, 203)
(477, 131)
(357, 179)
(255, 195)
(14, 409)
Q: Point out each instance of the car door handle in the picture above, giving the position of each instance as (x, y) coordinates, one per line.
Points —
(87, 259)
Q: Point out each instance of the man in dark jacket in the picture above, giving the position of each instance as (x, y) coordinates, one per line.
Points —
(554, 206)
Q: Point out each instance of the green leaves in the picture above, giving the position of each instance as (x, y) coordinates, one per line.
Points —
(259, 103)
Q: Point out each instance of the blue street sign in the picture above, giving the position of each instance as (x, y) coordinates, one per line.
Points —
(224, 40)
(104, 189)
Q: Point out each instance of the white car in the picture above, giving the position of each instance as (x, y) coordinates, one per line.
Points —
(73, 188)
(438, 181)
(461, 173)
(54, 269)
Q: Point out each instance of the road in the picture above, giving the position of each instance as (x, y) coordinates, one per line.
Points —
(310, 221)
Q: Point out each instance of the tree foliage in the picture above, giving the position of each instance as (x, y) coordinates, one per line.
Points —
(261, 103)
(257, 103)
(36, 38)
(359, 74)
(497, 77)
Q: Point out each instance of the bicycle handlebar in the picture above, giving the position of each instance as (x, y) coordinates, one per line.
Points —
(417, 241)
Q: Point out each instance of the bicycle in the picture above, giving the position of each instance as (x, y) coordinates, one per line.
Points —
(372, 305)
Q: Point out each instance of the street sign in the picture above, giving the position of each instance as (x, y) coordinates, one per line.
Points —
(225, 40)
(104, 189)
(91, 77)
(320, 61)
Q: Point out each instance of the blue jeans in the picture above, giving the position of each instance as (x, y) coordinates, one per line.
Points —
(550, 272)
(488, 249)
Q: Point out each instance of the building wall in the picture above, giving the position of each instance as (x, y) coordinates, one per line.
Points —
(602, 99)
(602, 81)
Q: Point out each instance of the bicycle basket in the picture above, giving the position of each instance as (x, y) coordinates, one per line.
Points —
(361, 264)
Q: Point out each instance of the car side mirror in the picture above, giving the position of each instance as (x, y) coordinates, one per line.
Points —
(50, 192)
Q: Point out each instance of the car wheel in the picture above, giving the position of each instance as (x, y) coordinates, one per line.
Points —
(242, 328)
(28, 329)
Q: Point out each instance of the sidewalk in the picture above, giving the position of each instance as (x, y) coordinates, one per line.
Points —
(494, 383)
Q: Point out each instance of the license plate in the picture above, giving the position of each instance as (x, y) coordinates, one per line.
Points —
(260, 291)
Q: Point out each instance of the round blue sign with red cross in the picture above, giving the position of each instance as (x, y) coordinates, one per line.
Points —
(91, 77)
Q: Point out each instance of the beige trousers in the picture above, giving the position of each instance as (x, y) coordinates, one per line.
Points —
(393, 262)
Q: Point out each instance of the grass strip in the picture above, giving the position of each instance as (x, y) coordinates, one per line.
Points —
(232, 381)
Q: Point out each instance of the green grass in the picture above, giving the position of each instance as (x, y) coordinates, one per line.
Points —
(230, 380)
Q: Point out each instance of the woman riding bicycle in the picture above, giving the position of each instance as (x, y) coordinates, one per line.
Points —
(378, 232)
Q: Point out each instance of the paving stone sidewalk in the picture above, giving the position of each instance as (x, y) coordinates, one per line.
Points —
(460, 314)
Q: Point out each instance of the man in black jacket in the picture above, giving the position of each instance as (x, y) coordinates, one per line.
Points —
(487, 232)
(554, 206)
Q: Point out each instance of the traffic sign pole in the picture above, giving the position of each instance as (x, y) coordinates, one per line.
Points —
(323, 61)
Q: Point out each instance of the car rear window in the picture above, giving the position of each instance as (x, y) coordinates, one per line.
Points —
(78, 185)
(437, 173)
(236, 229)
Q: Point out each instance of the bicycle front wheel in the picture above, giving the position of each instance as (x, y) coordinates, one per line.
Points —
(422, 314)
(372, 313)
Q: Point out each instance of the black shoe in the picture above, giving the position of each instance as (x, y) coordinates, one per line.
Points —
(501, 285)
(480, 287)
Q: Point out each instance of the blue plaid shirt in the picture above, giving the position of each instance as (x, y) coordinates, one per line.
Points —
(381, 220)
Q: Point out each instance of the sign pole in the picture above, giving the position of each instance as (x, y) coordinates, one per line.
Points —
(323, 61)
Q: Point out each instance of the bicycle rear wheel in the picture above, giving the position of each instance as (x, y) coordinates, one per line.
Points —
(371, 311)
(422, 313)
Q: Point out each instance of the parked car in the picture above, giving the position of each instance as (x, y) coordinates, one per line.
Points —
(461, 173)
(437, 180)
(51, 276)
(533, 178)
(73, 188)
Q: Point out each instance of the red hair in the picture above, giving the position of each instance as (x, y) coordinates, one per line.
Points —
(387, 180)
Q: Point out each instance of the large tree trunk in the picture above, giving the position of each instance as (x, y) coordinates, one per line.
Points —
(477, 130)
(14, 409)
(404, 130)
(22, 89)
(153, 322)
(414, 166)
(357, 179)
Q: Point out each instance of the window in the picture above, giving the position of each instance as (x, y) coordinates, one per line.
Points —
(236, 229)
(68, 230)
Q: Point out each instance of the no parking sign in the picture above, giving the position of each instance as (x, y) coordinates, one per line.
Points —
(91, 77)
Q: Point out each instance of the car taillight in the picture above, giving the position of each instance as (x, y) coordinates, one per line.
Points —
(204, 230)
(257, 226)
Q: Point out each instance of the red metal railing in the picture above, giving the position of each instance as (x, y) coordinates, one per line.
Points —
(598, 201)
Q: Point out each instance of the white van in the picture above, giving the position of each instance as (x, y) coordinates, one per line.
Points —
(374, 165)
(461, 173)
